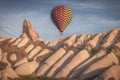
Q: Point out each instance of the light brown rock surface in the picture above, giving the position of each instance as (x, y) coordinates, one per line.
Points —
(29, 30)
(70, 41)
(13, 57)
(84, 57)
(55, 43)
(2, 38)
(42, 53)
(8, 73)
(50, 61)
(24, 60)
(5, 60)
(29, 48)
(34, 52)
(98, 67)
(79, 69)
(1, 54)
(78, 59)
(61, 63)
(111, 73)
(27, 68)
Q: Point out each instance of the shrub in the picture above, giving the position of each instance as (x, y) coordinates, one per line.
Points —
(2, 65)
(40, 78)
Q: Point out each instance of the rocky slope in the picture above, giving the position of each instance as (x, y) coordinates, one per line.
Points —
(83, 57)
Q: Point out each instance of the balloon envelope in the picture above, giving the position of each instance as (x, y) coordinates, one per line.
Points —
(61, 16)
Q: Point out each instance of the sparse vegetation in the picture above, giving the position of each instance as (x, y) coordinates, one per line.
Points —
(42, 58)
(7, 47)
(2, 65)
(40, 78)
(40, 43)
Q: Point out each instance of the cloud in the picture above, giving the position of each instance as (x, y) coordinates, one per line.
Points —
(104, 8)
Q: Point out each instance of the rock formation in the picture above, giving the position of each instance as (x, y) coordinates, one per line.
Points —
(83, 57)
(29, 31)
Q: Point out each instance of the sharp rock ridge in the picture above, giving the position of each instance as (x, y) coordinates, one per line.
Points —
(84, 57)
(29, 31)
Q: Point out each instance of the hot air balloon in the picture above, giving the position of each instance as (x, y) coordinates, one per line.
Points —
(61, 17)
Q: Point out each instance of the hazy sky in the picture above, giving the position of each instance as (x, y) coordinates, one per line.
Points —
(89, 16)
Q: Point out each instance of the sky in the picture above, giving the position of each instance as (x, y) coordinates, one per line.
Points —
(89, 17)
